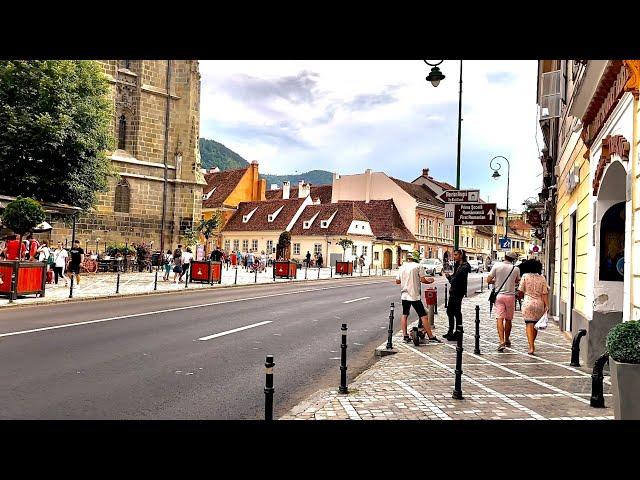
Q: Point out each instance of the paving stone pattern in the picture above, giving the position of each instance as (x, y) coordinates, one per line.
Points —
(417, 382)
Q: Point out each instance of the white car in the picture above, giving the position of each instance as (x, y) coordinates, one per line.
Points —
(432, 266)
(476, 265)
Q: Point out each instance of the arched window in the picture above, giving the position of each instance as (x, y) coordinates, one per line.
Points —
(612, 244)
(122, 133)
(123, 197)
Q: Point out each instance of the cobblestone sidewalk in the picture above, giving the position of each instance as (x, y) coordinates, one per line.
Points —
(100, 285)
(417, 382)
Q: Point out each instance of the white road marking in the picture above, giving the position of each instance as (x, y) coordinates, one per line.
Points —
(295, 292)
(355, 300)
(234, 330)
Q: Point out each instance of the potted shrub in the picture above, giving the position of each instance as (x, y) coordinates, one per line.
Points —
(623, 345)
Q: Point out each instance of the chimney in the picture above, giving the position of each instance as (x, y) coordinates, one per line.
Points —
(285, 190)
(274, 186)
(255, 179)
(425, 172)
(304, 189)
(368, 175)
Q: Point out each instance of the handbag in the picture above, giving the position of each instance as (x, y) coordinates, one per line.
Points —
(542, 323)
(494, 293)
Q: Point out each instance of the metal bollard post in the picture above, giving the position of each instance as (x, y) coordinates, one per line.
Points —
(305, 271)
(117, 283)
(575, 348)
(457, 389)
(446, 303)
(390, 331)
(268, 388)
(476, 349)
(256, 279)
(331, 271)
(343, 361)
(481, 284)
(318, 273)
(13, 286)
(597, 396)
(235, 280)
(155, 282)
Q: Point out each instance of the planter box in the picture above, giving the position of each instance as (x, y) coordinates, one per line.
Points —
(205, 271)
(625, 386)
(344, 268)
(30, 278)
(285, 269)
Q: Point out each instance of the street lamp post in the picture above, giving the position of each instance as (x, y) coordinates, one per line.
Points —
(435, 76)
(497, 175)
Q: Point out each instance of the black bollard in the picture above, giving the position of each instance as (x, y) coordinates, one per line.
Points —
(597, 396)
(305, 271)
(390, 331)
(476, 349)
(235, 280)
(446, 303)
(256, 280)
(457, 390)
(186, 279)
(575, 348)
(318, 273)
(117, 283)
(155, 282)
(343, 361)
(13, 287)
(268, 388)
(331, 271)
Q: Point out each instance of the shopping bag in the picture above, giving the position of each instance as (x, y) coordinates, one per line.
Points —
(542, 323)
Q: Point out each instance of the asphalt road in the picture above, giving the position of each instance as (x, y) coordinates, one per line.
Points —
(192, 355)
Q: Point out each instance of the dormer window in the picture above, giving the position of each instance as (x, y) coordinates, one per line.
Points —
(207, 196)
(324, 224)
(327, 222)
(307, 223)
(247, 217)
(271, 217)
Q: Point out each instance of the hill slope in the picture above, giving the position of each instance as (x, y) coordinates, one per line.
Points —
(214, 154)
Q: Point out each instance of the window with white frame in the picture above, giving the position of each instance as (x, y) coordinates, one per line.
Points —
(354, 249)
(254, 245)
(236, 245)
(317, 248)
(439, 229)
(227, 245)
(376, 255)
(430, 233)
(296, 249)
(364, 250)
(245, 245)
(269, 246)
(462, 240)
(421, 227)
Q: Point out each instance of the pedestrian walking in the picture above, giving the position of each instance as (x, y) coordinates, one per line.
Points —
(187, 256)
(166, 264)
(535, 304)
(320, 260)
(77, 257)
(33, 246)
(216, 254)
(308, 257)
(177, 263)
(506, 275)
(14, 250)
(457, 291)
(410, 275)
(250, 260)
(60, 256)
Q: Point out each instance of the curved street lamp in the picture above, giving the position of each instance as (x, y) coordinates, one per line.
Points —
(435, 76)
(497, 175)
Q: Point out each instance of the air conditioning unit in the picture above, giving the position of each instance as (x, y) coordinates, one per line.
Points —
(573, 179)
(550, 98)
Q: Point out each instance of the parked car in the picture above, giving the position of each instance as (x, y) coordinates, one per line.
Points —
(432, 266)
(476, 265)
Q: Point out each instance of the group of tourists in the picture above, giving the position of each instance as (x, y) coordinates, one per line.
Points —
(512, 283)
(178, 261)
(316, 262)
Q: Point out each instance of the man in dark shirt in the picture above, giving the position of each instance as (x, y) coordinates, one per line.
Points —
(216, 255)
(308, 258)
(77, 257)
(457, 292)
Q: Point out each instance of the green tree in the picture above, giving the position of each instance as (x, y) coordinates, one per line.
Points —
(208, 228)
(56, 118)
(190, 237)
(22, 215)
(345, 243)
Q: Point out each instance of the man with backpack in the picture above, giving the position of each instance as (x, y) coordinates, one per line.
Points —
(506, 275)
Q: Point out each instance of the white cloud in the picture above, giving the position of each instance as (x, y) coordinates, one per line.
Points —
(347, 116)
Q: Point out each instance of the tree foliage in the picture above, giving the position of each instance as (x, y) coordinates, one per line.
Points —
(208, 227)
(22, 215)
(56, 118)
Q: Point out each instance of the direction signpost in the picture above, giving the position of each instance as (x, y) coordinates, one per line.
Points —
(460, 196)
(470, 214)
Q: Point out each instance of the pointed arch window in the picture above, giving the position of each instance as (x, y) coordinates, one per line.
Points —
(122, 132)
(123, 197)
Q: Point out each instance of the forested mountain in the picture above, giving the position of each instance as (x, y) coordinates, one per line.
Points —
(214, 154)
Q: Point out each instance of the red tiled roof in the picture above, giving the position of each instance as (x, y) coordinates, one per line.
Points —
(259, 220)
(485, 229)
(519, 225)
(421, 193)
(385, 220)
(346, 212)
(317, 191)
(224, 183)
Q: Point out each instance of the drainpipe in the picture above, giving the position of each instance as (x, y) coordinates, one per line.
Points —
(633, 159)
(166, 153)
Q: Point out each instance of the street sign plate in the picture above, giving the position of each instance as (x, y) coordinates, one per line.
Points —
(460, 196)
(505, 243)
(470, 214)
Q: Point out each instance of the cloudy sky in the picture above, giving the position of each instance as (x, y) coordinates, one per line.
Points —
(347, 116)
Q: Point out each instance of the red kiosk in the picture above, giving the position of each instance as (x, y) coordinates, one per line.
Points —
(22, 278)
(285, 269)
(205, 271)
(344, 268)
